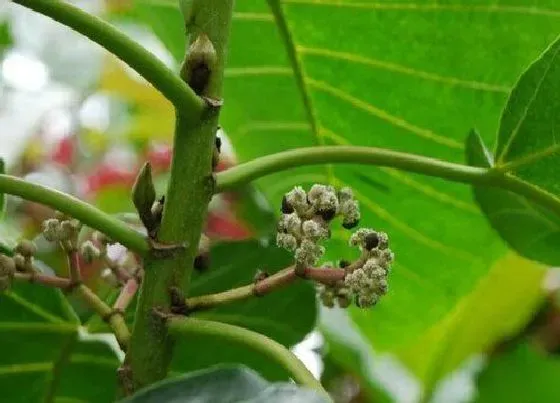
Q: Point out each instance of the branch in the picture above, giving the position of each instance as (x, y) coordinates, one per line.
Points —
(249, 171)
(190, 188)
(112, 316)
(130, 52)
(74, 270)
(263, 287)
(179, 326)
(86, 213)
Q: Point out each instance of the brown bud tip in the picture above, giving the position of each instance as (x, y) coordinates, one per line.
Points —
(327, 215)
(286, 208)
(218, 143)
(343, 263)
(202, 262)
(371, 241)
(201, 59)
(350, 224)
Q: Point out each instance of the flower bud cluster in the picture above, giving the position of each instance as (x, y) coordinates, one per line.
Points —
(368, 283)
(55, 230)
(306, 218)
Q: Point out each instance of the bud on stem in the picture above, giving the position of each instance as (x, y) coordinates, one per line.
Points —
(199, 64)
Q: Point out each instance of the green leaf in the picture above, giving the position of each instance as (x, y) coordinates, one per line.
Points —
(164, 18)
(224, 384)
(45, 356)
(286, 315)
(522, 375)
(527, 148)
(529, 229)
(500, 305)
(394, 75)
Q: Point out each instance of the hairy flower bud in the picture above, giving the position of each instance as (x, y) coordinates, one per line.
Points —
(25, 248)
(286, 241)
(89, 251)
(324, 201)
(286, 208)
(297, 198)
(313, 230)
(308, 253)
(51, 229)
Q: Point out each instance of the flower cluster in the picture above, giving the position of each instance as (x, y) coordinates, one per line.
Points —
(368, 281)
(306, 217)
(61, 230)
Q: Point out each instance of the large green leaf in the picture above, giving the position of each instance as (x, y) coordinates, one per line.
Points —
(45, 356)
(527, 148)
(522, 375)
(405, 76)
(499, 306)
(286, 315)
(224, 385)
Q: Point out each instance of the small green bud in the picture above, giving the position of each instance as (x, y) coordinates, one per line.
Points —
(144, 195)
(200, 62)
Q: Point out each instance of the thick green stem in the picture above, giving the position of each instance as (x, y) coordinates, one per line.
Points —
(269, 164)
(133, 54)
(182, 327)
(86, 213)
(191, 187)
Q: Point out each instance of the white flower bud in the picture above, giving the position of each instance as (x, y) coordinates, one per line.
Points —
(383, 240)
(89, 251)
(286, 241)
(323, 199)
(350, 211)
(357, 237)
(297, 198)
(313, 230)
(51, 229)
(345, 194)
(367, 300)
(308, 253)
